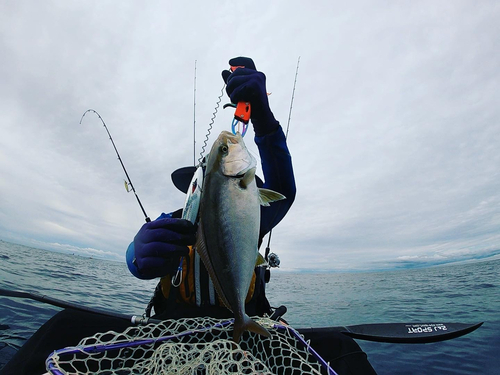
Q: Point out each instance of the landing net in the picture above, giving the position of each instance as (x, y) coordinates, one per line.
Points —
(190, 346)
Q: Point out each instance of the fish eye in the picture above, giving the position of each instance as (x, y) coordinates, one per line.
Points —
(224, 149)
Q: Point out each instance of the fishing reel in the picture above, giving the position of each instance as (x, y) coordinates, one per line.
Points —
(273, 260)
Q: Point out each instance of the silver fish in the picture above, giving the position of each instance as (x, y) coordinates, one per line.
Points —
(228, 231)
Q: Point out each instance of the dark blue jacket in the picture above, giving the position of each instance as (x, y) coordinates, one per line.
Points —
(278, 176)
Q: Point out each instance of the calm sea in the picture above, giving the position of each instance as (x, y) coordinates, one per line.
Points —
(466, 293)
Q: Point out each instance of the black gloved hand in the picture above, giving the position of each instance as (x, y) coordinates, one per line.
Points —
(159, 244)
(249, 85)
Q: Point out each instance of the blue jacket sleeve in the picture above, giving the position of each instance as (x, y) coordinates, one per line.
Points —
(278, 176)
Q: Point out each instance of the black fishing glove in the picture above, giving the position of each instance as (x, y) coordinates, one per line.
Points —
(158, 246)
(249, 85)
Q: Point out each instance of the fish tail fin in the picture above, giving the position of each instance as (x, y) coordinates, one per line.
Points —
(247, 324)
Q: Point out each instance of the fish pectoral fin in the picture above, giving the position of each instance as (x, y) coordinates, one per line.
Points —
(267, 196)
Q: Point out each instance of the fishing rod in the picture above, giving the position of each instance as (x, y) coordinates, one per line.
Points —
(275, 260)
(293, 95)
(129, 183)
(194, 116)
(407, 333)
(134, 319)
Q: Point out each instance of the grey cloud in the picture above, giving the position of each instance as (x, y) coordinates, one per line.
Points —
(393, 133)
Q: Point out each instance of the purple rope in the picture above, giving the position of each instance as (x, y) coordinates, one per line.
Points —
(308, 347)
(51, 366)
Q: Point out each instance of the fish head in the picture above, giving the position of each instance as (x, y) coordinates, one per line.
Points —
(230, 156)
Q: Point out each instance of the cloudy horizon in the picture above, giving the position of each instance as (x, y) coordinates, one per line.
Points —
(393, 135)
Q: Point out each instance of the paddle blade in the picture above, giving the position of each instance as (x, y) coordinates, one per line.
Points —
(410, 333)
(405, 333)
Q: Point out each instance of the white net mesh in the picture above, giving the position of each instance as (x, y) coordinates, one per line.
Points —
(190, 346)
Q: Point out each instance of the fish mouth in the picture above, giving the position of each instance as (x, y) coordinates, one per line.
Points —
(241, 173)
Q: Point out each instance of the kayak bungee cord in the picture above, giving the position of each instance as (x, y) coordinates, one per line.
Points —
(129, 183)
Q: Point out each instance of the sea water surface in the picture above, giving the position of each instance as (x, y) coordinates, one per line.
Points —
(467, 293)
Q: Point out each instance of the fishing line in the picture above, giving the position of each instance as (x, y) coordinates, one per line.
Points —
(211, 124)
(121, 162)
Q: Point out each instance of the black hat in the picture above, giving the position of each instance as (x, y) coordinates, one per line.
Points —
(182, 178)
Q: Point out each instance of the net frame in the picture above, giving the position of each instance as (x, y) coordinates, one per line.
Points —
(191, 346)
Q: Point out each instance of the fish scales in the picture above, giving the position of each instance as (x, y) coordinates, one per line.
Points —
(227, 238)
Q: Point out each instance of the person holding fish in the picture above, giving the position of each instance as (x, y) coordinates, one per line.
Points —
(236, 211)
(225, 275)
(158, 246)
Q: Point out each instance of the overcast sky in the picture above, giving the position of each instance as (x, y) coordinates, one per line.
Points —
(394, 134)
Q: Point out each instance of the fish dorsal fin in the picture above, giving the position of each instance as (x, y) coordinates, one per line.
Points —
(267, 196)
(247, 179)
